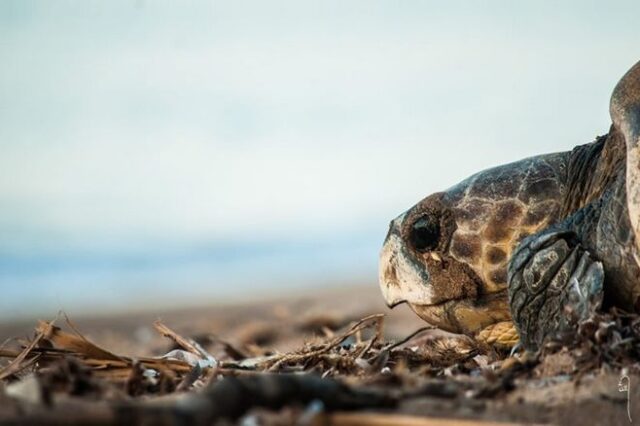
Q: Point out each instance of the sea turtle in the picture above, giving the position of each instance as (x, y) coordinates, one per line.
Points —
(525, 250)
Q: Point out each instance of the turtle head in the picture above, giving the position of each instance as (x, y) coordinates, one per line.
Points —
(447, 256)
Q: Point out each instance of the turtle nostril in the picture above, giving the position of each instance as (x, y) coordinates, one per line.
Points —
(390, 274)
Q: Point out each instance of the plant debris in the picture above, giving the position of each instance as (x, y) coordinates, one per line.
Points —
(61, 374)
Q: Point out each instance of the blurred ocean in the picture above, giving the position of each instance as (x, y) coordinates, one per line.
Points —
(165, 275)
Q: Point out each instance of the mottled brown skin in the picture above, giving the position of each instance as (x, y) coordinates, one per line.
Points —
(528, 241)
(480, 222)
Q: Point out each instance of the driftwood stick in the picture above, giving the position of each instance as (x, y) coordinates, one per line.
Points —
(186, 343)
(392, 346)
(377, 419)
(232, 397)
(18, 363)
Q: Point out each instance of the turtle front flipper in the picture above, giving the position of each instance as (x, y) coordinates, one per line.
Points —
(553, 283)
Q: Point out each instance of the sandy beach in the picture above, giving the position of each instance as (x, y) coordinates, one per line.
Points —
(285, 323)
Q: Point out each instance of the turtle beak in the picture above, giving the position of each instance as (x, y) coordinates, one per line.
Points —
(394, 304)
(402, 276)
(391, 267)
(388, 275)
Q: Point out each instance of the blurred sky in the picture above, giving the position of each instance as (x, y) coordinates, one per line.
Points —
(156, 153)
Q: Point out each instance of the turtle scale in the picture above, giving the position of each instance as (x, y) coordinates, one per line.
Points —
(525, 199)
(566, 221)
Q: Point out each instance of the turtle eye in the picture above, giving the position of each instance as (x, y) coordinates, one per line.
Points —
(425, 233)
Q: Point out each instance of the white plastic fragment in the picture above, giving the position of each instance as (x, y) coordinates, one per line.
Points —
(182, 355)
(362, 363)
(26, 390)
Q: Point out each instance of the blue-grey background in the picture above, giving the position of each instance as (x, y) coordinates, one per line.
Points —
(160, 153)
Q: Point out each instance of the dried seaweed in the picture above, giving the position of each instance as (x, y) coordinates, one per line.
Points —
(20, 361)
(342, 365)
(606, 339)
(52, 344)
